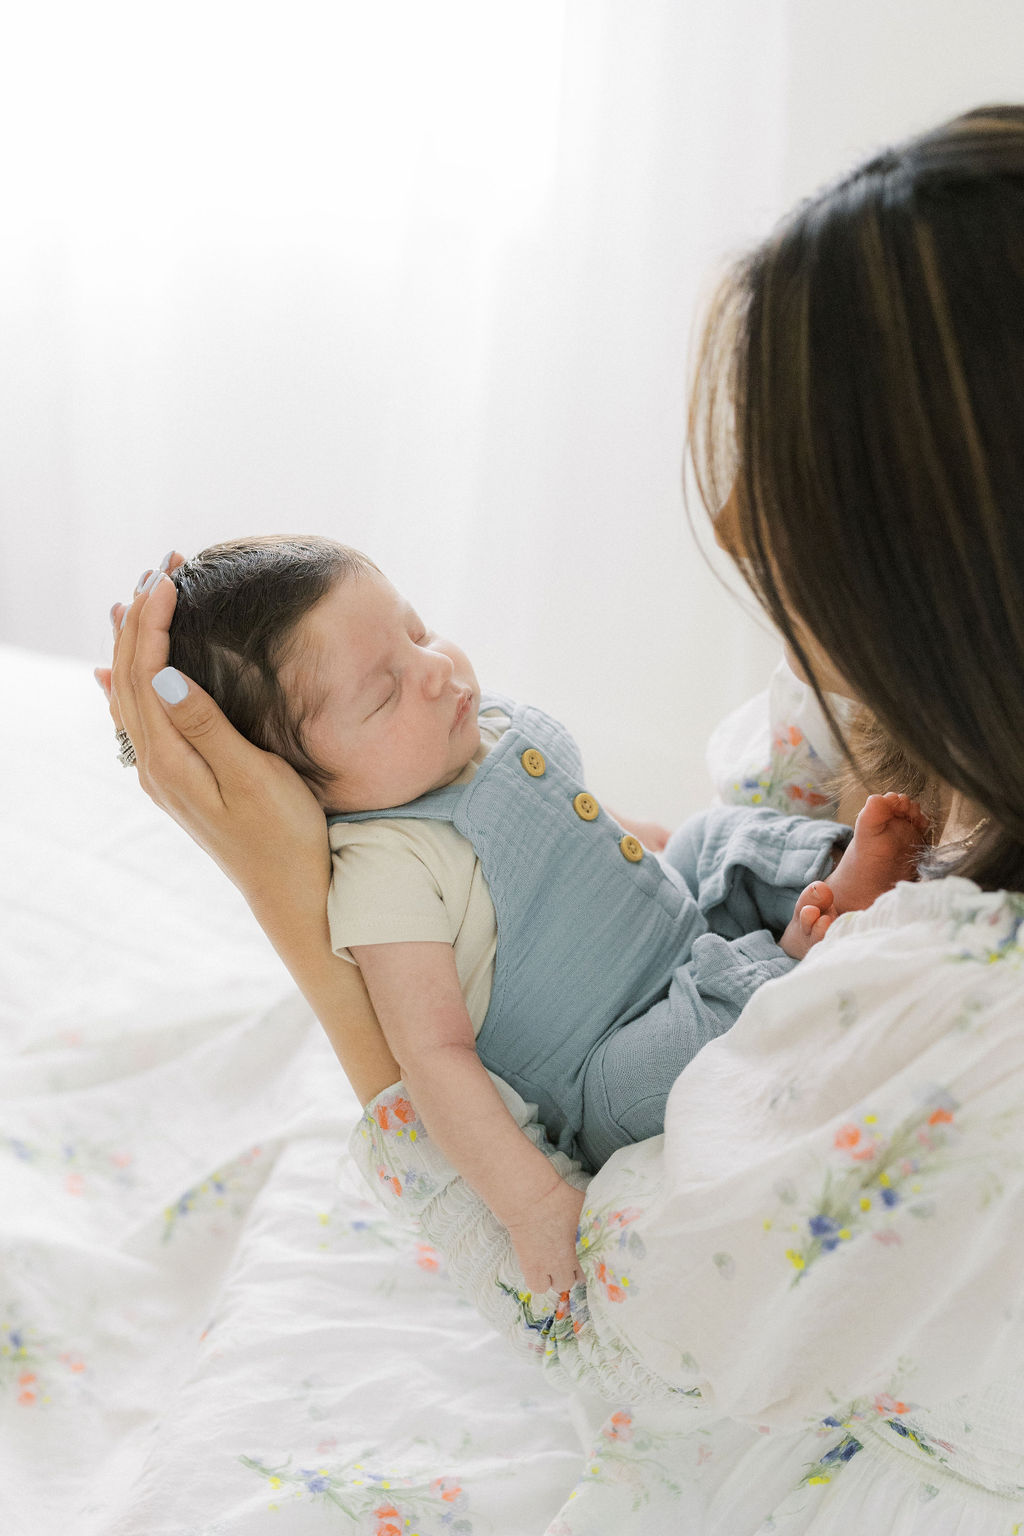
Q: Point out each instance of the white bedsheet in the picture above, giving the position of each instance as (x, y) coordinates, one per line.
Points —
(206, 1325)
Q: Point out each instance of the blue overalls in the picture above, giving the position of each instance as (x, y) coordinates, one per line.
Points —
(612, 970)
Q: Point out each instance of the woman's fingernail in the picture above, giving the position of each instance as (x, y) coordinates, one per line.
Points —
(165, 562)
(123, 617)
(170, 685)
(143, 579)
(154, 577)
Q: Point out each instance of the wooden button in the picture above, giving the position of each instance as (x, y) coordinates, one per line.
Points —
(585, 806)
(631, 848)
(533, 762)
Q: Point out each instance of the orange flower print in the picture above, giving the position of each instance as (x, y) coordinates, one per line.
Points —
(886, 1404)
(788, 736)
(427, 1257)
(619, 1427)
(848, 1139)
(623, 1218)
(392, 1115)
(27, 1381)
(612, 1291)
(940, 1116)
(448, 1487)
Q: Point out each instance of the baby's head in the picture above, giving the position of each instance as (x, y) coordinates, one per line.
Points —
(312, 654)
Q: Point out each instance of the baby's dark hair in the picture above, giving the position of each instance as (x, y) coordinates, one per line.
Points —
(234, 625)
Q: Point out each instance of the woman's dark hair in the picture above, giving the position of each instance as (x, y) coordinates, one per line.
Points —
(859, 395)
(234, 625)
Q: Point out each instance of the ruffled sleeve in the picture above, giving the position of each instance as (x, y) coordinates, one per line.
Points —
(778, 751)
(414, 1181)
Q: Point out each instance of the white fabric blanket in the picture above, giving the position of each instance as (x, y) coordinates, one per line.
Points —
(206, 1325)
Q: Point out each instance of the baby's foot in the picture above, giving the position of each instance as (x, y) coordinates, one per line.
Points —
(813, 916)
(887, 838)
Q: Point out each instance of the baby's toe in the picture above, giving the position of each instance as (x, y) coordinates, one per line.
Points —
(808, 917)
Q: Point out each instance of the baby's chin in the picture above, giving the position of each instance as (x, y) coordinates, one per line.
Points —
(335, 801)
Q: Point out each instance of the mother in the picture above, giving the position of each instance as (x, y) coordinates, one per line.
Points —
(816, 1275)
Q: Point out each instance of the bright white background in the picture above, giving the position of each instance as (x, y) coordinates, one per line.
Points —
(423, 276)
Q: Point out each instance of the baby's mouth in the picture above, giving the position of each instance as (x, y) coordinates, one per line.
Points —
(463, 710)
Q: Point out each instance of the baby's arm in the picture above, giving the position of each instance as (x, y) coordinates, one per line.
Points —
(415, 992)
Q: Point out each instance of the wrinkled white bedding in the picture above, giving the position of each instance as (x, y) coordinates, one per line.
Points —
(206, 1325)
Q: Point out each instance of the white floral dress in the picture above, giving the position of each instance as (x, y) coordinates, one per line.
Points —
(804, 1307)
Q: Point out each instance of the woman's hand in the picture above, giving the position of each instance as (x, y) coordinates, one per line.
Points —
(247, 808)
(252, 814)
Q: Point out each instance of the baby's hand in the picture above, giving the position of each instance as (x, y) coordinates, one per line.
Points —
(545, 1240)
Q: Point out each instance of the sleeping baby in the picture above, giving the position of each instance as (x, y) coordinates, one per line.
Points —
(509, 928)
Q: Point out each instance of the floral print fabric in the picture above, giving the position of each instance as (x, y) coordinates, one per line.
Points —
(803, 1301)
(777, 750)
(208, 1325)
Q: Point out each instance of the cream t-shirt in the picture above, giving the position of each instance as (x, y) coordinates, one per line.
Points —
(401, 880)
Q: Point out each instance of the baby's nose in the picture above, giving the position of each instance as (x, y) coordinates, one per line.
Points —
(437, 672)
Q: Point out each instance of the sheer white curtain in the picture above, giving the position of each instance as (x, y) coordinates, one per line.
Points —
(423, 277)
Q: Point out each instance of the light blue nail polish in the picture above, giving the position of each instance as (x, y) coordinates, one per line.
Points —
(165, 562)
(143, 579)
(154, 578)
(123, 617)
(170, 685)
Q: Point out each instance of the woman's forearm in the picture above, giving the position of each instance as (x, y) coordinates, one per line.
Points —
(252, 814)
(296, 924)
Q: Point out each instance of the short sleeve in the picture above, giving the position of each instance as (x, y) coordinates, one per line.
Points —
(383, 889)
